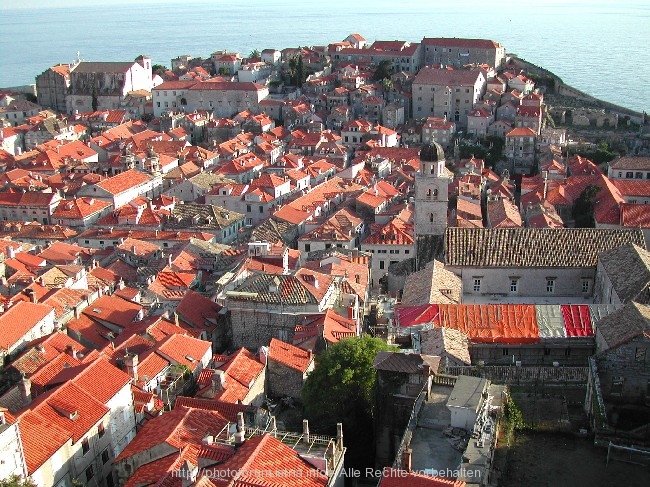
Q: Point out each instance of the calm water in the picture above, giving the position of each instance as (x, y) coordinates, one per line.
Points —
(600, 47)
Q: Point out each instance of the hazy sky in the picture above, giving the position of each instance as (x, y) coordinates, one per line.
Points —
(10, 4)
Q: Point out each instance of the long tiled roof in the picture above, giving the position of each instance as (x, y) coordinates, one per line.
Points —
(631, 162)
(533, 247)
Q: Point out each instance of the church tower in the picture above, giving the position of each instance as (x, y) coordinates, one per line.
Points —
(431, 192)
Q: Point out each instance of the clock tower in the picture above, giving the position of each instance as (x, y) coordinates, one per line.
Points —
(431, 192)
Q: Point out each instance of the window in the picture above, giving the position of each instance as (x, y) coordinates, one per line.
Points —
(89, 473)
(407, 251)
(585, 285)
(638, 175)
(110, 482)
(307, 247)
(477, 285)
(381, 264)
(547, 351)
(639, 355)
(514, 285)
(85, 446)
(248, 208)
(550, 286)
(261, 209)
(430, 217)
(505, 352)
(105, 456)
(617, 385)
(629, 174)
(100, 430)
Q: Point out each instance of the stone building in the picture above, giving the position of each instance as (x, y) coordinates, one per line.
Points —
(104, 85)
(623, 275)
(619, 374)
(445, 93)
(532, 262)
(52, 87)
(288, 368)
(460, 52)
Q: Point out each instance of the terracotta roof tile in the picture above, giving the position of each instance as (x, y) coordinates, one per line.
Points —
(18, 320)
(533, 247)
(290, 355)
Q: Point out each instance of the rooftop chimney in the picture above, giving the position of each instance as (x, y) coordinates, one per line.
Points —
(25, 387)
(70, 350)
(241, 429)
(305, 431)
(219, 380)
(131, 364)
(339, 436)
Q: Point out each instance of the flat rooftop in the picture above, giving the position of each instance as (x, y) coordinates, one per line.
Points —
(431, 449)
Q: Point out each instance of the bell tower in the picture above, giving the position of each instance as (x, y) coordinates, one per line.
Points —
(431, 192)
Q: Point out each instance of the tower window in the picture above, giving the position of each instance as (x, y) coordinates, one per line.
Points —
(435, 193)
(431, 217)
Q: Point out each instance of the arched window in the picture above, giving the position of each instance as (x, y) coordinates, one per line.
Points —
(431, 217)
(429, 193)
(435, 193)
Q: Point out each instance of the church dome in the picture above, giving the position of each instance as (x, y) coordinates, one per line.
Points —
(432, 153)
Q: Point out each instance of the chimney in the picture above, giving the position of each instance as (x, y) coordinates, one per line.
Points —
(2, 416)
(77, 312)
(406, 459)
(32, 295)
(169, 260)
(310, 353)
(218, 381)
(274, 425)
(241, 429)
(305, 431)
(11, 252)
(120, 284)
(70, 350)
(131, 364)
(545, 176)
(263, 355)
(339, 436)
(25, 387)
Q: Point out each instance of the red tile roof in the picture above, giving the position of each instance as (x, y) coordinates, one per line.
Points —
(123, 182)
(635, 215)
(184, 350)
(176, 428)
(290, 355)
(18, 320)
(401, 478)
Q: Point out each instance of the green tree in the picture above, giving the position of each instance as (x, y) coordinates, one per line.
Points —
(341, 389)
(583, 208)
(383, 70)
(254, 53)
(17, 481)
(158, 69)
(386, 85)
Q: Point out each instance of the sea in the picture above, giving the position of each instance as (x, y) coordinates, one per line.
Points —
(597, 46)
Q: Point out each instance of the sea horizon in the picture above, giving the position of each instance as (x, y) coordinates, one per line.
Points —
(559, 36)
